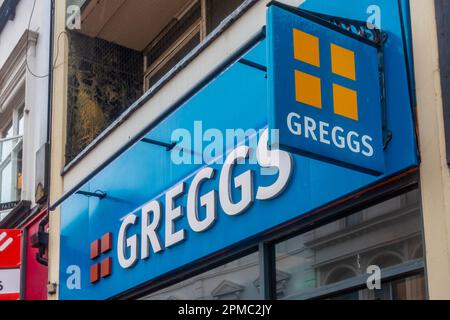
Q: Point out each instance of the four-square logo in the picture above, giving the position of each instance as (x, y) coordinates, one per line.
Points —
(308, 87)
(103, 265)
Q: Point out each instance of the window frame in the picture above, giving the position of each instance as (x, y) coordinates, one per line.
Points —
(199, 27)
(152, 91)
(194, 30)
(403, 270)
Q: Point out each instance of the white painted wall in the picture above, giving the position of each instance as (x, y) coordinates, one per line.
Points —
(36, 95)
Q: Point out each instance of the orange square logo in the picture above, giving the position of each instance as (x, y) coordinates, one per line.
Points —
(345, 102)
(308, 89)
(306, 48)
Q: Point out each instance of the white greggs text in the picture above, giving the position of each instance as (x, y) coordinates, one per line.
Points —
(152, 214)
(324, 133)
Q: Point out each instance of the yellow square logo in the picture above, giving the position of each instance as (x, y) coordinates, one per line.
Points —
(343, 62)
(345, 102)
(308, 89)
(306, 48)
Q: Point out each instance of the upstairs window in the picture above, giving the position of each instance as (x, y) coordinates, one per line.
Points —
(11, 151)
(182, 35)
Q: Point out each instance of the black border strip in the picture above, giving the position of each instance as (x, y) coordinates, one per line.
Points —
(409, 73)
(443, 32)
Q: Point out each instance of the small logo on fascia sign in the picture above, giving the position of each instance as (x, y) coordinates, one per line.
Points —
(308, 87)
(103, 266)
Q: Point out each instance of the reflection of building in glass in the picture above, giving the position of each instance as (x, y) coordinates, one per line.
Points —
(387, 235)
(231, 281)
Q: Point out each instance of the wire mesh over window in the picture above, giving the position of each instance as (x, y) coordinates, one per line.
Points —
(104, 80)
(171, 34)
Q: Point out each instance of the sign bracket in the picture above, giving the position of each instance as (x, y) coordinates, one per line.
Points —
(97, 194)
(168, 146)
(387, 133)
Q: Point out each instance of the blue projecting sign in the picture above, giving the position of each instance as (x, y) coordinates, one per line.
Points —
(324, 90)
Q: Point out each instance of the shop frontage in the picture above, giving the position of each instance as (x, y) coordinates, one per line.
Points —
(203, 205)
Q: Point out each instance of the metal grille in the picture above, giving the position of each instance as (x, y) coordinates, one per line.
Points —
(171, 34)
(104, 80)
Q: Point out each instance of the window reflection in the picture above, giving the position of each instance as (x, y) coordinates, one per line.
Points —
(324, 261)
(409, 288)
(237, 280)
(385, 235)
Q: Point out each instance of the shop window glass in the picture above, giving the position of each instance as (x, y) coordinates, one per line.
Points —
(409, 288)
(237, 280)
(385, 235)
(340, 274)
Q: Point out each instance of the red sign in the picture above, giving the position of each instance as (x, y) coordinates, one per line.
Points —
(10, 243)
(10, 297)
(36, 274)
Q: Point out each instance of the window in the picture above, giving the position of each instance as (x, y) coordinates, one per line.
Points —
(11, 143)
(237, 280)
(331, 260)
(218, 10)
(182, 35)
(175, 42)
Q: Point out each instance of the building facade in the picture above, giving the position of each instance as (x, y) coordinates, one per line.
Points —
(25, 37)
(140, 91)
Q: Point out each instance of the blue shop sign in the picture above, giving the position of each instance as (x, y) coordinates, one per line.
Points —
(324, 90)
(159, 217)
